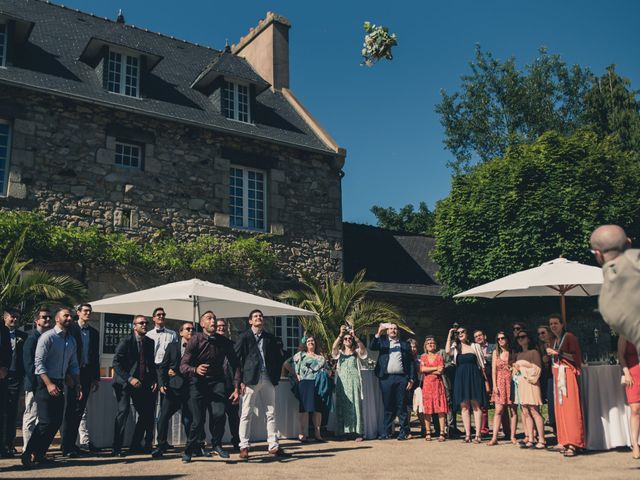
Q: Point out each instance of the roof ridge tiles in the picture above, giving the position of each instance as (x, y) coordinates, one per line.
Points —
(146, 30)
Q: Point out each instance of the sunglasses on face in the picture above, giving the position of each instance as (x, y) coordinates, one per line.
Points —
(502, 338)
(188, 329)
(542, 333)
(142, 323)
(161, 314)
(520, 337)
(44, 317)
(460, 332)
(221, 326)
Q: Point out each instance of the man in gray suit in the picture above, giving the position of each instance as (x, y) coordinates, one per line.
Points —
(620, 295)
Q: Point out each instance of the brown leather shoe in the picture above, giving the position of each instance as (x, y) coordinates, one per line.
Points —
(278, 452)
(244, 454)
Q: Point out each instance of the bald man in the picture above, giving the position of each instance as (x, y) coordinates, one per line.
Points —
(620, 295)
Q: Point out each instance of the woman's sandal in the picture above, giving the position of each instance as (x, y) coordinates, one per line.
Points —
(442, 438)
(302, 439)
(570, 452)
(514, 440)
(557, 448)
(526, 445)
(477, 440)
(540, 446)
(467, 439)
(635, 455)
(427, 437)
(492, 442)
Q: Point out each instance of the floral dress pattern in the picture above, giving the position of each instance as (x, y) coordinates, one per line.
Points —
(349, 418)
(502, 388)
(434, 397)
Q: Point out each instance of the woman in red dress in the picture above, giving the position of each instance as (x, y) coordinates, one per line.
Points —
(501, 373)
(630, 363)
(434, 397)
(567, 360)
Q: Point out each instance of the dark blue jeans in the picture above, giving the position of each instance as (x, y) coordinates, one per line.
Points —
(393, 389)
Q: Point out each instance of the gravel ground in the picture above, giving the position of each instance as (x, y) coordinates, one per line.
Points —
(388, 459)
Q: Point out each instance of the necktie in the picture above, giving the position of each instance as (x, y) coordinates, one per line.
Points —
(159, 330)
(141, 364)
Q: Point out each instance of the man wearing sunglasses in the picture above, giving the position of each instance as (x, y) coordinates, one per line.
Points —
(162, 338)
(175, 389)
(42, 323)
(135, 380)
(619, 300)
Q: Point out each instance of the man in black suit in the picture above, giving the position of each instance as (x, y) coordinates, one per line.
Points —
(261, 357)
(135, 379)
(231, 408)
(395, 371)
(88, 341)
(174, 388)
(12, 385)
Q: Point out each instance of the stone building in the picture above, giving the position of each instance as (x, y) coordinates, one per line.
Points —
(110, 125)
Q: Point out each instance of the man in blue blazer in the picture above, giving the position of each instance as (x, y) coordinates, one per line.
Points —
(395, 371)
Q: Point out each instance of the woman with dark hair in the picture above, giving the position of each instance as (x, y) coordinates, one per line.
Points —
(629, 361)
(349, 418)
(526, 371)
(434, 396)
(545, 340)
(567, 360)
(471, 385)
(308, 365)
(501, 374)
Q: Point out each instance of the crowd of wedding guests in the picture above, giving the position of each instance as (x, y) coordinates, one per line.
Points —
(204, 373)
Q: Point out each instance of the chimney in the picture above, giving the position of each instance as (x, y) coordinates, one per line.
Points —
(120, 17)
(266, 48)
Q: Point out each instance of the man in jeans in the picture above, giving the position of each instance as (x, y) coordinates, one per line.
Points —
(42, 323)
(261, 357)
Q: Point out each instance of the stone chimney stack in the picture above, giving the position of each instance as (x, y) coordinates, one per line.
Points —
(266, 48)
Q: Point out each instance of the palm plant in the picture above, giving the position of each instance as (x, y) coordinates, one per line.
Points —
(27, 290)
(336, 302)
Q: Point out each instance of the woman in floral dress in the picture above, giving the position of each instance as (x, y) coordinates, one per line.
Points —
(349, 419)
(501, 374)
(434, 397)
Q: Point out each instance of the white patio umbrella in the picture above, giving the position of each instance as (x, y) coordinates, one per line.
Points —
(185, 300)
(559, 277)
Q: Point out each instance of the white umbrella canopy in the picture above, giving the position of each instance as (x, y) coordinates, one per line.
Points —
(185, 300)
(559, 277)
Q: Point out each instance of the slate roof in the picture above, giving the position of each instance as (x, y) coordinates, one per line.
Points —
(50, 61)
(398, 262)
(232, 66)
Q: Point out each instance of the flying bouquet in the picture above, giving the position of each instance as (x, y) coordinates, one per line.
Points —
(377, 44)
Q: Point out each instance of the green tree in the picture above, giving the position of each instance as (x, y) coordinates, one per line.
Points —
(407, 219)
(500, 105)
(26, 290)
(538, 202)
(336, 303)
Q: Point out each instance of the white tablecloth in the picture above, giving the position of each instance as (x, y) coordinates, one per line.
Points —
(102, 409)
(604, 406)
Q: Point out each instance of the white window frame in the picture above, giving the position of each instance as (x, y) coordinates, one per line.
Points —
(234, 111)
(132, 146)
(283, 326)
(120, 78)
(4, 45)
(5, 181)
(245, 198)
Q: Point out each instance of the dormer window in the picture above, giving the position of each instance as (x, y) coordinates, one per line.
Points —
(123, 74)
(3, 44)
(235, 101)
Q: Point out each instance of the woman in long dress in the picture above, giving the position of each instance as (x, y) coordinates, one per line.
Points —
(349, 419)
(501, 373)
(567, 360)
(527, 368)
(630, 363)
(545, 340)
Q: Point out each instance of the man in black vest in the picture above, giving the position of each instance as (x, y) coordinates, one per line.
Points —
(12, 386)
(260, 355)
(231, 408)
(88, 341)
(174, 388)
(135, 380)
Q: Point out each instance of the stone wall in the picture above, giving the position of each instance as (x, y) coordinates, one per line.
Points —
(62, 162)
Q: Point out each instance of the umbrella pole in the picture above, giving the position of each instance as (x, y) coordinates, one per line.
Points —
(563, 307)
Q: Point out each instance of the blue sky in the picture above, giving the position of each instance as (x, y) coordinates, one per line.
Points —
(384, 116)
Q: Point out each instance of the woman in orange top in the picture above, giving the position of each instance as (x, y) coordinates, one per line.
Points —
(567, 360)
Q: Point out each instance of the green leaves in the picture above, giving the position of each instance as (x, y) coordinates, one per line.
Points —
(337, 303)
(540, 201)
(377, 44)
(406, 220)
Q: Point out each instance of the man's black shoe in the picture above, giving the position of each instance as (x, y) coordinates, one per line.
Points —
(186, 457)
(117, 453)
(27, 459)
(157, 453)
(70, 453)
(6, 454)
(201, 452)
(222, 453)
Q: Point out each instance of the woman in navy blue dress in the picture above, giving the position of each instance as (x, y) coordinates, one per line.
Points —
(471, 385)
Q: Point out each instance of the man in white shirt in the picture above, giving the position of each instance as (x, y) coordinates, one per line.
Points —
(161, 337)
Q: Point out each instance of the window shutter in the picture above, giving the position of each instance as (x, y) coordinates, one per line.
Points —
(10, 36)
(144, 76)
(252, 104)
